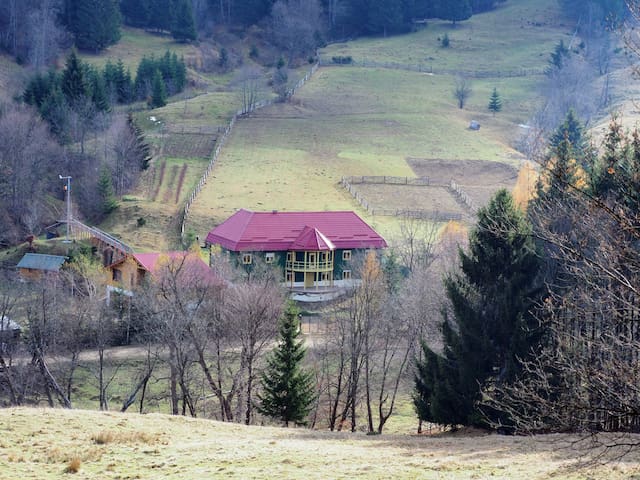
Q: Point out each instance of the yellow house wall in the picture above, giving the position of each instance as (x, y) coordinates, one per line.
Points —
(129, 273)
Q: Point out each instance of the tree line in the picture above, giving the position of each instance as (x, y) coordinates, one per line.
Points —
(540, 329)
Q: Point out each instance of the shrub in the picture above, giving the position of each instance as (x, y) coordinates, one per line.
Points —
(445, 41)
(253, 52)
(73, 466)
(141, 222)
(342, 60)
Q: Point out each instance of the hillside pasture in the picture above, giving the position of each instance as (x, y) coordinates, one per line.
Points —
(45, 444)
(517, 37)
(350, 121)
(137, 43)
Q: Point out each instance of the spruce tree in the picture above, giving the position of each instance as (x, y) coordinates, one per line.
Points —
(573, 130)
(142, 150)
(489, 326)
(74, 84)
(287, 388)
(183, 27)
(454, 10)
(108, 201)
(158, 91)
(495, 102)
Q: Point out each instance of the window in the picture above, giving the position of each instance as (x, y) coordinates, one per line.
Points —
(289, 278)
(346, 274)
(117, 275)
(346, 255)
(246, 259)
(325, 276)
(269, 257)
(289, 256)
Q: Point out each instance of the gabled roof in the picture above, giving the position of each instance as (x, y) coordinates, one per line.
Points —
(38, 261)
(312, 239)
(279, 231)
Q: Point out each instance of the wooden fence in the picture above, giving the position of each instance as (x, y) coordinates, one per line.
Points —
(379, 180)
(224, 137)
(463, 196)
(428, 68)
(434, 215)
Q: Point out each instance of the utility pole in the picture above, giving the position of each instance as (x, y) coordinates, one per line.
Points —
(67, 189)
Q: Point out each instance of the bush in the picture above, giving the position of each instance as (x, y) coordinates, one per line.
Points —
(253, 52)
(342, 60)
(445, 41)
(141, 222)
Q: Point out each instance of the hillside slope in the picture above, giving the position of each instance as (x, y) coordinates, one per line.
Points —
(45, 444)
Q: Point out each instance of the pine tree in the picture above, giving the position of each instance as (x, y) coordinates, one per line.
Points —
(74, 85)
(95, 24)
(158, 91)
(142, 150)
(161, 14)
(573, 131)
(287, 388)
(454, 10)
(105, 190)
(183, 27)
(495, 102)
(135, 12)
(490, 327)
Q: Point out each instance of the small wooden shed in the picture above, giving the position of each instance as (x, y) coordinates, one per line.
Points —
(36, 266)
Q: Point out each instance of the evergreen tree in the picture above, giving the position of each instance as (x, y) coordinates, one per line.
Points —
(454, 10)
(142, 150)
(105, 190)
(95, 24)
(495, 102)
(135, 12)
(558, 58)
(161, 14)
(287, 388)
(384, 16)
(98, 91)
(490, 327)
(74, 84)
(183, 27)
(159, 92)
(573, 131)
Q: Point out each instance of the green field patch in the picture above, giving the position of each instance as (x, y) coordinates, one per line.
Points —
(137, 43)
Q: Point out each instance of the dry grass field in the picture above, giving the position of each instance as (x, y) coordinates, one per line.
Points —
(51, 444)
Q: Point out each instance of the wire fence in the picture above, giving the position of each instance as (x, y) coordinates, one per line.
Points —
(226, 132)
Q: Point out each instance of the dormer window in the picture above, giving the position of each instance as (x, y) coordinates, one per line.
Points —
(269, 257)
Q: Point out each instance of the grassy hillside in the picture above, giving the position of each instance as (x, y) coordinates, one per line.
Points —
(369, 121)
(46, 444)
(519, 34)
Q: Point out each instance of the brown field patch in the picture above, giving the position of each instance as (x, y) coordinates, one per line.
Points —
(465, 172)
(189, 145)
(409, 197)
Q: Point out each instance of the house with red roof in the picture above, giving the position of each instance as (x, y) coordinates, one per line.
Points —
(313, 249)
(133, 269)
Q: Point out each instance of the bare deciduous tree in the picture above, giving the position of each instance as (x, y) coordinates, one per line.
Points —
(461, 91)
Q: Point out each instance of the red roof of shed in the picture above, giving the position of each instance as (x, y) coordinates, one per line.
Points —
(281, 231)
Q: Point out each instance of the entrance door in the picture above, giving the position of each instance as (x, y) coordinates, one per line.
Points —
(309, 278)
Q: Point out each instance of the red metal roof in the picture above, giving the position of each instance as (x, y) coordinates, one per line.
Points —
(312, 239)
(194, 267)
(280, 231)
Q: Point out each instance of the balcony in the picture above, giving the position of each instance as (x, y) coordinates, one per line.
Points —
(319, 266)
